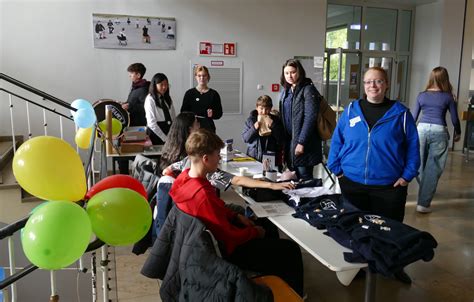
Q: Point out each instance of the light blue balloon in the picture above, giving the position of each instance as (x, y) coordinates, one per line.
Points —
(80, 104)
(85, 117)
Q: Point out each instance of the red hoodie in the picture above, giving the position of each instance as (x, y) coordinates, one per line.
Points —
(198, 198)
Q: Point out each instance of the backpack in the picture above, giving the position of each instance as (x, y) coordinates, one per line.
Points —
(326, 120)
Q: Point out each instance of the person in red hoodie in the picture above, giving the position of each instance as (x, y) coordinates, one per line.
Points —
(243, 241)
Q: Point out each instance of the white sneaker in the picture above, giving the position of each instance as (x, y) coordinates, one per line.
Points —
(423, 210)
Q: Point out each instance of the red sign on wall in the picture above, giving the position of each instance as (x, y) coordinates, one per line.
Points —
(229, 49)
(205, 48)
(217, 49)
(275, 87)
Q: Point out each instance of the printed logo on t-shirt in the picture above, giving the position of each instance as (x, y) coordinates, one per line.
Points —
(375, 219)
(328, 204)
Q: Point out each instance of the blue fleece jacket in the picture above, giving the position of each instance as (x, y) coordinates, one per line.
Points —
(379, 156)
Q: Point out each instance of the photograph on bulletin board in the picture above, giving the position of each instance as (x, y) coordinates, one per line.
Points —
(133, 32)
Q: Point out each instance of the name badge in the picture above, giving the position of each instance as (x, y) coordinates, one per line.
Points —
(354, 121)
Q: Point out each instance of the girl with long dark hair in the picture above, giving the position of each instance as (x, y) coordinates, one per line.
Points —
(299, 106)
(159, 109)
(174, 148)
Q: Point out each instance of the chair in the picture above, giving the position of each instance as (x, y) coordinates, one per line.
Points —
(282, 292)
(143, 169)
(184, 258)
(122, 40)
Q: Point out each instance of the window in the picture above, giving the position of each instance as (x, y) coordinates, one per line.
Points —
(334, 39)
(369, 35)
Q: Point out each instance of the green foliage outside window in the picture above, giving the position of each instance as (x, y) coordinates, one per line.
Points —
(334, 39)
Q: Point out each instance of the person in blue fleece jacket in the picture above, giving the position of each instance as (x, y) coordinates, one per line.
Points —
(375, 150)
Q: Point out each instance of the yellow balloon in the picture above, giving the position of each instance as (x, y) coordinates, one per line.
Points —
(49, 168)
(116, 126)
(83, 137)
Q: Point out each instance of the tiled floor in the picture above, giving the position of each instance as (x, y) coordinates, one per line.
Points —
(448, 277)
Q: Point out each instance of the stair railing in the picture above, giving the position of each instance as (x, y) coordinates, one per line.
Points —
(9, 230)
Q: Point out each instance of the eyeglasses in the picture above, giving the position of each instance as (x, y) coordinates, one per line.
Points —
(376, 82)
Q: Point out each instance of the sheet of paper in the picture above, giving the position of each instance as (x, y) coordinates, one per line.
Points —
(254, 167)
(271, 208)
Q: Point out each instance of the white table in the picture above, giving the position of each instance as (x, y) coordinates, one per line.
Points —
(153, 151)
(322, 247)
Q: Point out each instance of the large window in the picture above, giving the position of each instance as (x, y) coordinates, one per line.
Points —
(368, 36)
(341, 17)
(381, 30)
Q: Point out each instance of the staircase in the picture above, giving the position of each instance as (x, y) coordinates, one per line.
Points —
(6, 151)
(15, 203)
(28, 116)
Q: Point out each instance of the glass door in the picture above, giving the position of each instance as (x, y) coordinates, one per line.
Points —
(342, 91)
(401, 79)
(386, 62)
(365, 36)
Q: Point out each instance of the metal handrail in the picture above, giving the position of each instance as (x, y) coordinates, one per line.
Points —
(13, 227)
(39, 105)
(35, 91)
(31, 267)
(10, 229)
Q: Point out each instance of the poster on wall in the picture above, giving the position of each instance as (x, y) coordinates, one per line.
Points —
(133, 32)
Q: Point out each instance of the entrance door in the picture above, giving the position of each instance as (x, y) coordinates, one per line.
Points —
(340, 88)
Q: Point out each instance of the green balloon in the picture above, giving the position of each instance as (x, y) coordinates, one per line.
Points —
(119, 216)
(56, 234)
(116, 126)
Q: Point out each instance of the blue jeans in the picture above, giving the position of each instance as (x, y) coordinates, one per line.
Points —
(433, 154)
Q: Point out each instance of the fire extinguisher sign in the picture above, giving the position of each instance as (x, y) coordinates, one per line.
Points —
(227, 49)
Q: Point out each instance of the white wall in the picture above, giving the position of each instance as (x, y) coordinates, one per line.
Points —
(48, 44)
(426, 46)
(453, 21)
(437, 42)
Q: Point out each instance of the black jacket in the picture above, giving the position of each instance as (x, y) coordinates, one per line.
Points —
(136, 103)
(257, 145)
(304, 111)
(184, 258)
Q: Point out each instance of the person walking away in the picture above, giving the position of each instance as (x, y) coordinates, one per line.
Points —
(434, 103)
